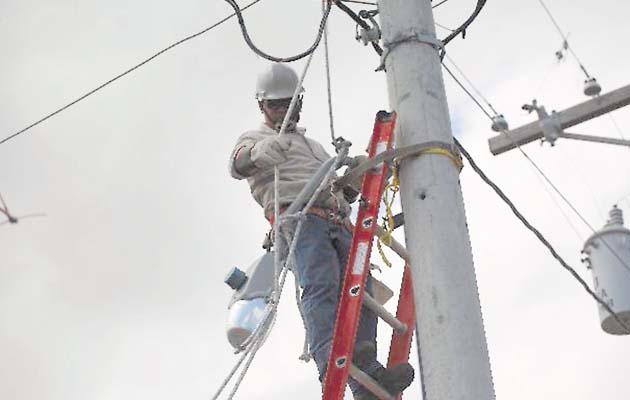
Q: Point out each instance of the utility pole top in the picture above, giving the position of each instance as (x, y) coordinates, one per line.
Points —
(558, 121)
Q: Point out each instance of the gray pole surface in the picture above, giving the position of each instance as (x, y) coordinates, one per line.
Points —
(452, 346)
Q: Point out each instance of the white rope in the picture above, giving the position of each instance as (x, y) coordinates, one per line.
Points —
(328, 85)
(305, 356)
(263, 329)
(276, 179)
(231, 374)
(255, 346)
(260, 333)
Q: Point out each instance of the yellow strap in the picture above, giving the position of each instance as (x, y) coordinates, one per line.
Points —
(455, 158)
(392, 187)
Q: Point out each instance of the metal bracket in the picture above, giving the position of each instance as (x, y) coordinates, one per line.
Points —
(418, 38)
(550, 124)
(370, 35)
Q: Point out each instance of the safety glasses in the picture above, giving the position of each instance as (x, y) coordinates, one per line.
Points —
(278, 103)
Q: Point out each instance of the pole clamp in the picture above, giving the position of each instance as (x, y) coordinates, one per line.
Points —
(398, 154)
(417, 38)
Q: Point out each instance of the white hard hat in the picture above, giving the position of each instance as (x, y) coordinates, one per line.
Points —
(277, 81)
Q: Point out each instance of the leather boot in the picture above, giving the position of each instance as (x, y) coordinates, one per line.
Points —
(393, 379)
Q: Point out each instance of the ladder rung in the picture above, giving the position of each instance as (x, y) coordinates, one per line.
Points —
(369, 383)
(396, 246)
(382, 312)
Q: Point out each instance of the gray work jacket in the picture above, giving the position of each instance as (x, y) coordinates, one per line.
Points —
(304, 157)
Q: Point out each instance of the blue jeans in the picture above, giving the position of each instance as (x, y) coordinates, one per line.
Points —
(321, 255)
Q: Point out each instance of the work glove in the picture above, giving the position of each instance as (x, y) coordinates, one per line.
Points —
(352, 191)
(270, 151)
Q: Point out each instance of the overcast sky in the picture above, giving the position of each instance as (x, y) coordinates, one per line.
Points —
(117, 293)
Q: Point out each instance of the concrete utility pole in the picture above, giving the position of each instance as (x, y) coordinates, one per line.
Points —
(452, 345)
(551, 126)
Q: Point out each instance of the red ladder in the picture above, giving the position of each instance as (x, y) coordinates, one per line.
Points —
(353, 296)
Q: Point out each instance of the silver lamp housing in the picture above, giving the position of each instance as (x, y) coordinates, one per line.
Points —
(249, 305)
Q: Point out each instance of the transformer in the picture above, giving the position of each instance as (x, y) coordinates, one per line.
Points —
(608, 257)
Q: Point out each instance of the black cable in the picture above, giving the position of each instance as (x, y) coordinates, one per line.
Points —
(359, 22)
(540, 237)
(439, 4)
(125, 73)
(368, 3)
(269, 57)
(462, 28)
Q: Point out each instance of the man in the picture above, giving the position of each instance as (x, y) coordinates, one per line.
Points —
(322, 248)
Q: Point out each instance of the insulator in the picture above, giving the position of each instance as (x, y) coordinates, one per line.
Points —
(591, 87)
(499, 123)
(366, 36)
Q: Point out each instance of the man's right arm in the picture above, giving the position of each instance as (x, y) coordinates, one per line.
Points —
(252, 156)
(241, 164)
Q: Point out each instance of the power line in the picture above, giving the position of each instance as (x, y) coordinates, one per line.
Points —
(12, 219)
(269, 57)
(612, 119)
(471, 84)
(444, 27)
(540, 171)
(564, 37)
(368, 3)
(466, 90)
(490, 117)
(439, 4)
(536, 232)
(126, 72)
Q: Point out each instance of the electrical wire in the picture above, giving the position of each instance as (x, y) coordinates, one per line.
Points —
(617, 128)
(466, 24)
(269, 57)
(490, 117)
(439, 4)
(466, 90)
(358, 2)
(12, 219)
(540, 171)
(564, 38)
(536, 232)
(471, 84)
(444, 27)
(126, 72)
(495, 113)
(376, 5)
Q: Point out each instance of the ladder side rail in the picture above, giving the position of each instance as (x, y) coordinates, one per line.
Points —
(357, 267)
(400, 346)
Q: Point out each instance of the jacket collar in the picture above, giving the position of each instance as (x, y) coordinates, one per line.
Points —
(267, 129)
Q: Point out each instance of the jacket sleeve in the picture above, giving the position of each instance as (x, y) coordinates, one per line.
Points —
(240, 164)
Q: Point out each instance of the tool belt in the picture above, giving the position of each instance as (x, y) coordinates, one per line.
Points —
(325, 213)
